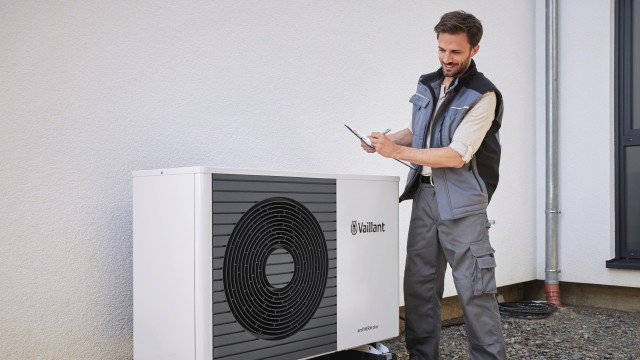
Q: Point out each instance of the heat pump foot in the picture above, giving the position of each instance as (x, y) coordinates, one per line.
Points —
(374, 351)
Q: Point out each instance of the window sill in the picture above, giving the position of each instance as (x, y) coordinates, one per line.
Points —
(623, 264)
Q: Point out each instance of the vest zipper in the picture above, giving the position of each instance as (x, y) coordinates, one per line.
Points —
(433, 114)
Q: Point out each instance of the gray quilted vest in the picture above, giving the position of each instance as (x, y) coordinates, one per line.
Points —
(467, 190)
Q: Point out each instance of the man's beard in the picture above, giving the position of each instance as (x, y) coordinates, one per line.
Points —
(456, 71)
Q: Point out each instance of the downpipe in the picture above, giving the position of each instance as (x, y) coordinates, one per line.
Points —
(552, 271)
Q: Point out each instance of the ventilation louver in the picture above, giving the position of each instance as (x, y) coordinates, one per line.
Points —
(278, 276)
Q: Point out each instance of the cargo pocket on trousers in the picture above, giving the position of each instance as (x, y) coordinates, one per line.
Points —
(484, 278)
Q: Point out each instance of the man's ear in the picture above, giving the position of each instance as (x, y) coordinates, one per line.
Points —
(475, 49)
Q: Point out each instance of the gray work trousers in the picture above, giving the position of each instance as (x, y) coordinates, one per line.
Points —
(464, 244)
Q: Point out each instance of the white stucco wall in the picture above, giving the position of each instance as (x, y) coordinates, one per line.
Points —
(94, 90)
(586, 169)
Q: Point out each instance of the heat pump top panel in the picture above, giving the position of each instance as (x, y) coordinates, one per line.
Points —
(214, 170)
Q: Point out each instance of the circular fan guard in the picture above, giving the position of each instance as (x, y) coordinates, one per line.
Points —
(267, 311)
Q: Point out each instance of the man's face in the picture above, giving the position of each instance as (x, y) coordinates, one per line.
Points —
(455, 53)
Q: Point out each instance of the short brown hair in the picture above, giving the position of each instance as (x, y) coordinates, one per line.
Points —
(457, 22)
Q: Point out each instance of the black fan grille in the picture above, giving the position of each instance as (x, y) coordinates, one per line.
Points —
(268, 310)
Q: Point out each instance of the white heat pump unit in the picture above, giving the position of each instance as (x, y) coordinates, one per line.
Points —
(241, 265)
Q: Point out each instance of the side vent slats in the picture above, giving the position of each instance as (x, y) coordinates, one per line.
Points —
(274, 267)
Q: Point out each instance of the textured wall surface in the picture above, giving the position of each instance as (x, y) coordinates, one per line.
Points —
(94, 90)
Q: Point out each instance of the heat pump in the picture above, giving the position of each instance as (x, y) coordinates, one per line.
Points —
(245, 264)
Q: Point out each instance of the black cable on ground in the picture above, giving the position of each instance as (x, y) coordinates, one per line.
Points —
(527, 309)
(521, 309)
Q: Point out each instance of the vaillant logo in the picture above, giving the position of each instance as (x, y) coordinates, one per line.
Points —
(365, 227)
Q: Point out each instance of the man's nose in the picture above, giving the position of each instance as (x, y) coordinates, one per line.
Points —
(447, 57)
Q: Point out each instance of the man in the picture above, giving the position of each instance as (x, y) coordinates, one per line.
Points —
(454, 146)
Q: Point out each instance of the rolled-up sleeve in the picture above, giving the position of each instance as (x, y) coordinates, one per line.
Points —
(471, 131)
